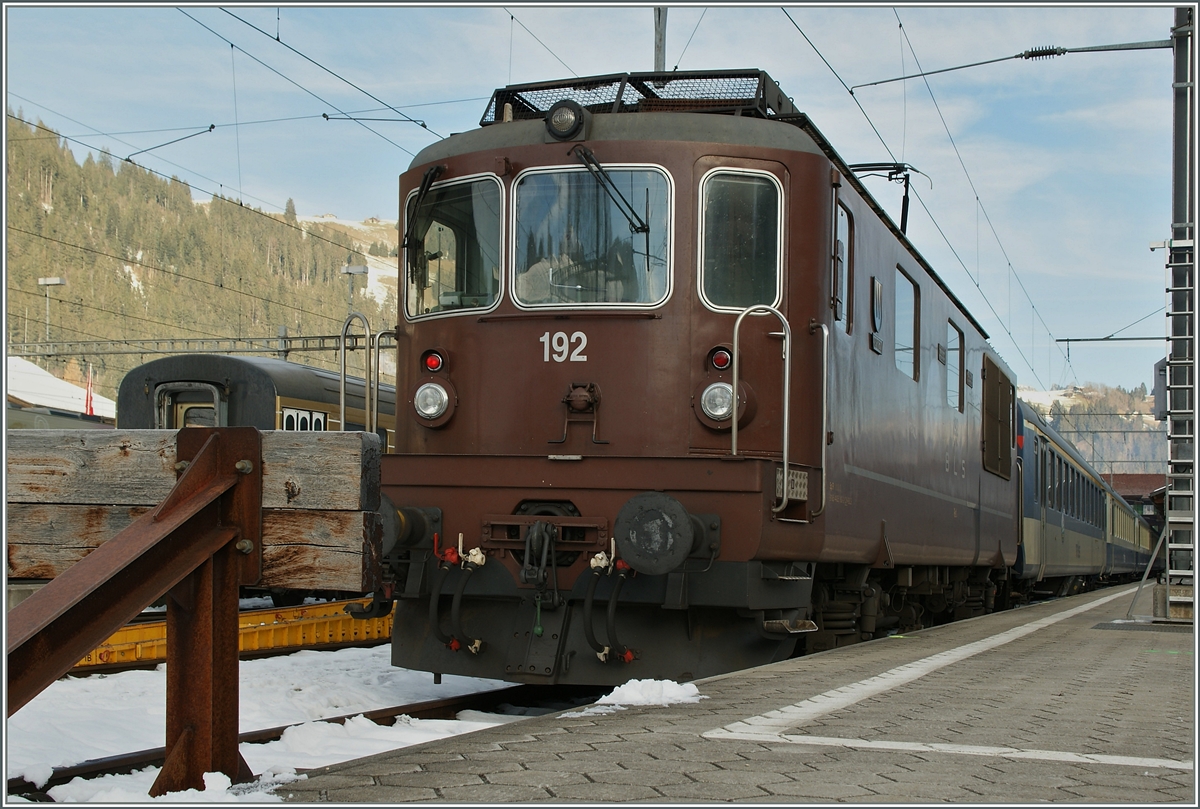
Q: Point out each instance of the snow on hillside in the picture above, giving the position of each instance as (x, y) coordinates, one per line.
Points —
(382, 275)
(1044, 399)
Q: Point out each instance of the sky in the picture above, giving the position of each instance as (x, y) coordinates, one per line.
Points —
(78, 719)
(1041, 180)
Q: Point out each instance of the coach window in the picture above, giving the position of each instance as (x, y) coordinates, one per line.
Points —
(578, 241)
(842, 299)
(1037, 468)
(1058, 482)
(740, 240)
(1048, 460)
(908, 324)
(954, 366)
(452, 257)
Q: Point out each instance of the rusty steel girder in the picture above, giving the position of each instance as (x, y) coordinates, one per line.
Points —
(196, 547)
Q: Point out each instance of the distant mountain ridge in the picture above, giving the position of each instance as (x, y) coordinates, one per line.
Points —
(1112, 428)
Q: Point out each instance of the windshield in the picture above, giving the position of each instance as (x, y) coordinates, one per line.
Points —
(454, 258)
(574, 245)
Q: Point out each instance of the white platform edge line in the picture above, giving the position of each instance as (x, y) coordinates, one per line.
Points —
(796, 714)
(953, 749)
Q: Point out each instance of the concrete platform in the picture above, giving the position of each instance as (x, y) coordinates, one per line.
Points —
(1052, 702)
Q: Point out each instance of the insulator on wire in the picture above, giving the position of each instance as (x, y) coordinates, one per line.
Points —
(1045, 52)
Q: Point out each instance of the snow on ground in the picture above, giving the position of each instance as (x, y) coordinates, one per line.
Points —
(78, 719)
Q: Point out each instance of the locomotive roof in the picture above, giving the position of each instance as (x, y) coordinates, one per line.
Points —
(737, 92)
(742, 107)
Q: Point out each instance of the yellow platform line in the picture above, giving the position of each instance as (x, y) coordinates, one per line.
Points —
(258, 631)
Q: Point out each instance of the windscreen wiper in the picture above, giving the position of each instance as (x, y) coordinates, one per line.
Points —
(636, 223)
(431, 174)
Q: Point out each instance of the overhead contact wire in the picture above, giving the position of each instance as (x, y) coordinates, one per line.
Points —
(406, 117)
(308, 233)
(979, 202)
(938, 227)
(292, 81)
(174, 273)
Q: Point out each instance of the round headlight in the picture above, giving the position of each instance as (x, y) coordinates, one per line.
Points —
(564, 119)
(431, 400)
(717, 401)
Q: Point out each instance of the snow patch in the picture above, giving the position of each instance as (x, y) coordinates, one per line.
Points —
(134, 281)
(82, 718)
(642, 692)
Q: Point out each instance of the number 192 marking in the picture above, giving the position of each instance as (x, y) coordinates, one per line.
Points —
(561, 343)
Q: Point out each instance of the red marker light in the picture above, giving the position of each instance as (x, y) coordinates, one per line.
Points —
(433, 361)
(721, 359)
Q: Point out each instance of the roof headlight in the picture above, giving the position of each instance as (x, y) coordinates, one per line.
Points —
(564, 119)
(431, 400)
(717, 401)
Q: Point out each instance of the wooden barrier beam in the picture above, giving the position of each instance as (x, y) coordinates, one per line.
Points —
(69, 491)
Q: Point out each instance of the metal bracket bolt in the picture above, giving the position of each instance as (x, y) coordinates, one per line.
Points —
(244, 545)
(182, 465)
(245, 467)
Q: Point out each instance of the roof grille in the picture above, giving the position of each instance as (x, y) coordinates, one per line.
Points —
(732, 92)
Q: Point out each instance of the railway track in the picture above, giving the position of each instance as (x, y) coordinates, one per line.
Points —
(520, 695)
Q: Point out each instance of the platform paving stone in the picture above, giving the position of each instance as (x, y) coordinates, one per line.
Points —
(605, 793)
(712, 792)
(537, 777)
(1064, 688)
(494, 793)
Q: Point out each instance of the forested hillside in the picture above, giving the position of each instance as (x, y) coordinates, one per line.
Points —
(142, 260)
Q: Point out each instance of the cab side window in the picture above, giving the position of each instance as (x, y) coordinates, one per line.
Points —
(842, 300)
(954, 366)
(908, 325)
(740, 241)
(998, 428)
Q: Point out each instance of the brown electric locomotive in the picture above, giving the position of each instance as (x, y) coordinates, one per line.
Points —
(675, 396)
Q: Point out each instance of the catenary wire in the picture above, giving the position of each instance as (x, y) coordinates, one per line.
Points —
(118, 140)
(291, 81)
(333, 73)
(241, 124)
(175, 273)
(123, 315)
(310, 234)
(942, 233)
(543, 44)
(689, 42)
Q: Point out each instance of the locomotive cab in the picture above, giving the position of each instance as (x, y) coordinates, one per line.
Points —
(674, 394)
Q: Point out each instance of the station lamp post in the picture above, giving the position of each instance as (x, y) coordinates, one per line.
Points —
(351, 270)
(47, 283)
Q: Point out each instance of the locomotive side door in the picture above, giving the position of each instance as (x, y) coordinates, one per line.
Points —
(741, 262)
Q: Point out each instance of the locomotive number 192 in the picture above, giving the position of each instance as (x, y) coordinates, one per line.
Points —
(561, 344)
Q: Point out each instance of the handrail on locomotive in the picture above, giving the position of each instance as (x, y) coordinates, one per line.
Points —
(813, 326)
(368, 382)
(376, 345)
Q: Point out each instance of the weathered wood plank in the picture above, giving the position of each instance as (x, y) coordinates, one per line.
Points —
(333, 470)
(339, 550)
(92, 467)
(302, 549)
(321, 470)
